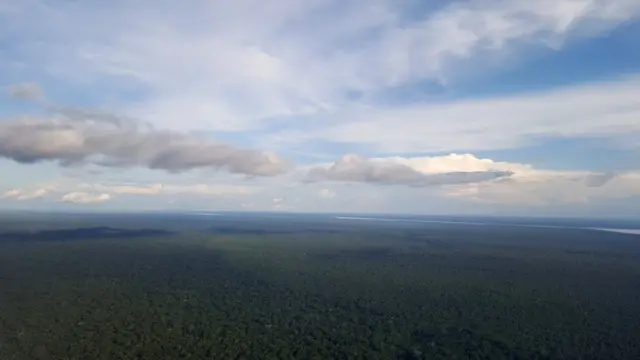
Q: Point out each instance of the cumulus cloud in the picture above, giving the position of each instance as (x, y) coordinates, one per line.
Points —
(326, 194)
(22, 194)
(456, 163)
(484, 181)
(85, 198)
(11, 193)
(392, 171)
(87, 193)
(26, 91)
(71, 141)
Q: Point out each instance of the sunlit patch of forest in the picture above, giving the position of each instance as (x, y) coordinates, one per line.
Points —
(262, 292)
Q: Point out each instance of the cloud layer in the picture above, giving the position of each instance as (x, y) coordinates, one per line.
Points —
(85, 198)
(72, 142)
(22, 195)
(605, 110)
(393, 171)
(232, 69)
(422, 184)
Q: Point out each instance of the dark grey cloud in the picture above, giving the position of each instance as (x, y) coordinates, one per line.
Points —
(597, 180)
(353, 168)
(26, 91)
(80, 137)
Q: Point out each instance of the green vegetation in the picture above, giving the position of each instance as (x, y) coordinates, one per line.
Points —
(440, 292)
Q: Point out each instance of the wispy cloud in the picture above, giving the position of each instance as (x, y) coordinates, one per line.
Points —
(607, 110)
(217, 65)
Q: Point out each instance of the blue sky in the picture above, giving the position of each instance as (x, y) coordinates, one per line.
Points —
(492, 107)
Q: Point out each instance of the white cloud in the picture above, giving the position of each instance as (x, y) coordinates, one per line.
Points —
(71, 191)
(283, 204)
(550, 188)
(152, 189)
(400, 171)
(526, 186)
(85, 198)
(24, 194)
(78, 137)
(220, 65)
(608, 110)
(159, 189)
(454, 163)
(209, 190)
(327, 194)
(528, 189)
(11, 193)
(464, 29)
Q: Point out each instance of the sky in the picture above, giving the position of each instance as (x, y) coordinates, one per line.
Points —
(492, 107)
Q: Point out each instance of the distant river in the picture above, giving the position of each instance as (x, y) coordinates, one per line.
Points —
(622, 231)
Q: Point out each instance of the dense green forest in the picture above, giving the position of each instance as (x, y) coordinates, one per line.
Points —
(296, 292)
